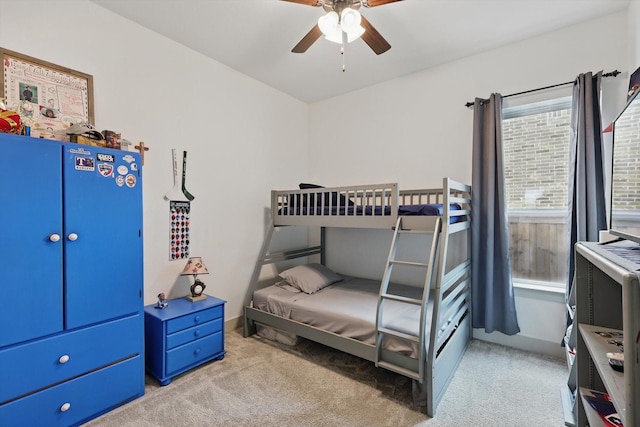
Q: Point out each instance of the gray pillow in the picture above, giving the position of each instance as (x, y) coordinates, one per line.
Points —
(310, 278)
(287, 287)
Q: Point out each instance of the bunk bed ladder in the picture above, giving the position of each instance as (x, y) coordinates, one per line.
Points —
(415, 371)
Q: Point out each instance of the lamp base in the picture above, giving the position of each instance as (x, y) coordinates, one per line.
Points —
(196, 298)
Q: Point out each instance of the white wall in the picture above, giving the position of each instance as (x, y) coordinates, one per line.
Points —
(243, 137)
(634, 35)
(415, 130)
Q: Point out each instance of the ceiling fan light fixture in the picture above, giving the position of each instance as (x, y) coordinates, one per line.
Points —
(354, 34)
(329, 24)
(349, 23)
(350, 20)
(335, 37)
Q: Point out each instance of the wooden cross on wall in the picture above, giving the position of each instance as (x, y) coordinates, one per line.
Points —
(141, 148)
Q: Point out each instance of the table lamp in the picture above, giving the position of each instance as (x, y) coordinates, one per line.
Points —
(195, 266)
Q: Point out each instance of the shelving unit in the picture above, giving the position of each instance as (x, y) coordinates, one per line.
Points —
(607, 300)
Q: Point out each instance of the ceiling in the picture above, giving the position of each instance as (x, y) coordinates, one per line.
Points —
(255, 37)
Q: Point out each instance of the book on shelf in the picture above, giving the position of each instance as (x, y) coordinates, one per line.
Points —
(601, 403)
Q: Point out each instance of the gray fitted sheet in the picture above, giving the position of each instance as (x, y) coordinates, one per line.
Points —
(348, 308)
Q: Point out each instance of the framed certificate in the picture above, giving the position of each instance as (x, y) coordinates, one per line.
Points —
(48, 97)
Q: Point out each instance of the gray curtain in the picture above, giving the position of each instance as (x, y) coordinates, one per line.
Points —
(587, 213)
(493, 305)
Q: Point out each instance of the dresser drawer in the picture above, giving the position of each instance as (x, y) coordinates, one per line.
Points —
(194, 333)
(82, 397)
(193, 319)
(193, 353)
(35, 365)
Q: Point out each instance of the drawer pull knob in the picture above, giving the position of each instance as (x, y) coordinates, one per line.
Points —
(196, 332)
(196, 319)
(64, 358)
(196, 351)
(54, 237)
(65, 407)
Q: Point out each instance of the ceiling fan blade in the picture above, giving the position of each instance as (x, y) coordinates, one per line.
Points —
(373, 38)
(307, 2)
(374, 3)
(307, 40)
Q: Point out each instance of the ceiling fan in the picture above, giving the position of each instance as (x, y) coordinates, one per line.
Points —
(343, 23)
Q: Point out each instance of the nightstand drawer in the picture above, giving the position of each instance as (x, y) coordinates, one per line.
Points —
(193, 353)
(194, 333)
(193, 319)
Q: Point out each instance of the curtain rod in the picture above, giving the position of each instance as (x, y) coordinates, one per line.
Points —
(613, 73)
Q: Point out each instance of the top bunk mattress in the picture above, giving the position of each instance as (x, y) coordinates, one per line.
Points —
(348, 308)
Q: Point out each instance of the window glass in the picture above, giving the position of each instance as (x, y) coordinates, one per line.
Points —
(536, 160)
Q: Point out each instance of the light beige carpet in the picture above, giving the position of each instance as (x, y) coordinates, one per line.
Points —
(260, 383)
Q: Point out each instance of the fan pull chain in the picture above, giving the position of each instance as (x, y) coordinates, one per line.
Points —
(344, 67)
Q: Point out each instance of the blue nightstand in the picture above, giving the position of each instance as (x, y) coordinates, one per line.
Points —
(183, 335)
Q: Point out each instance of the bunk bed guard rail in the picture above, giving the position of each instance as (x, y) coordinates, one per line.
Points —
(360, 206)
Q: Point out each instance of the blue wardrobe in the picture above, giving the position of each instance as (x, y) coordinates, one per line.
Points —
(71, 281)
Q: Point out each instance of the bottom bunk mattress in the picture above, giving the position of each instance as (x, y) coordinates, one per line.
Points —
(347, 308)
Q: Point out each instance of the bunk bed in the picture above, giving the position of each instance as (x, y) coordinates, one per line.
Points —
(419, 332)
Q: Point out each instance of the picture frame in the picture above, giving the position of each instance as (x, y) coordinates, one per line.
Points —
(48, 97)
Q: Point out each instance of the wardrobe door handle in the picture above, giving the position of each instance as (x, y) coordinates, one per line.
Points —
(54, 237)
(73, 237)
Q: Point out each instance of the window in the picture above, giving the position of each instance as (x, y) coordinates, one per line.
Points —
(536, 160)
(625, 197)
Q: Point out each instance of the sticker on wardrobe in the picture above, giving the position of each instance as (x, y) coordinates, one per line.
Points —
(80, 151)
(130, 180)
(105, 169)
(102, 157)
(84, 163)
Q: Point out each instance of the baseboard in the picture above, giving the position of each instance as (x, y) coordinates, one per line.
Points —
(533, 345)
(233, 324)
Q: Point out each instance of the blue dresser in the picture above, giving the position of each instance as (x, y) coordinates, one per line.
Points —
(71, 282)
(183, 335)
